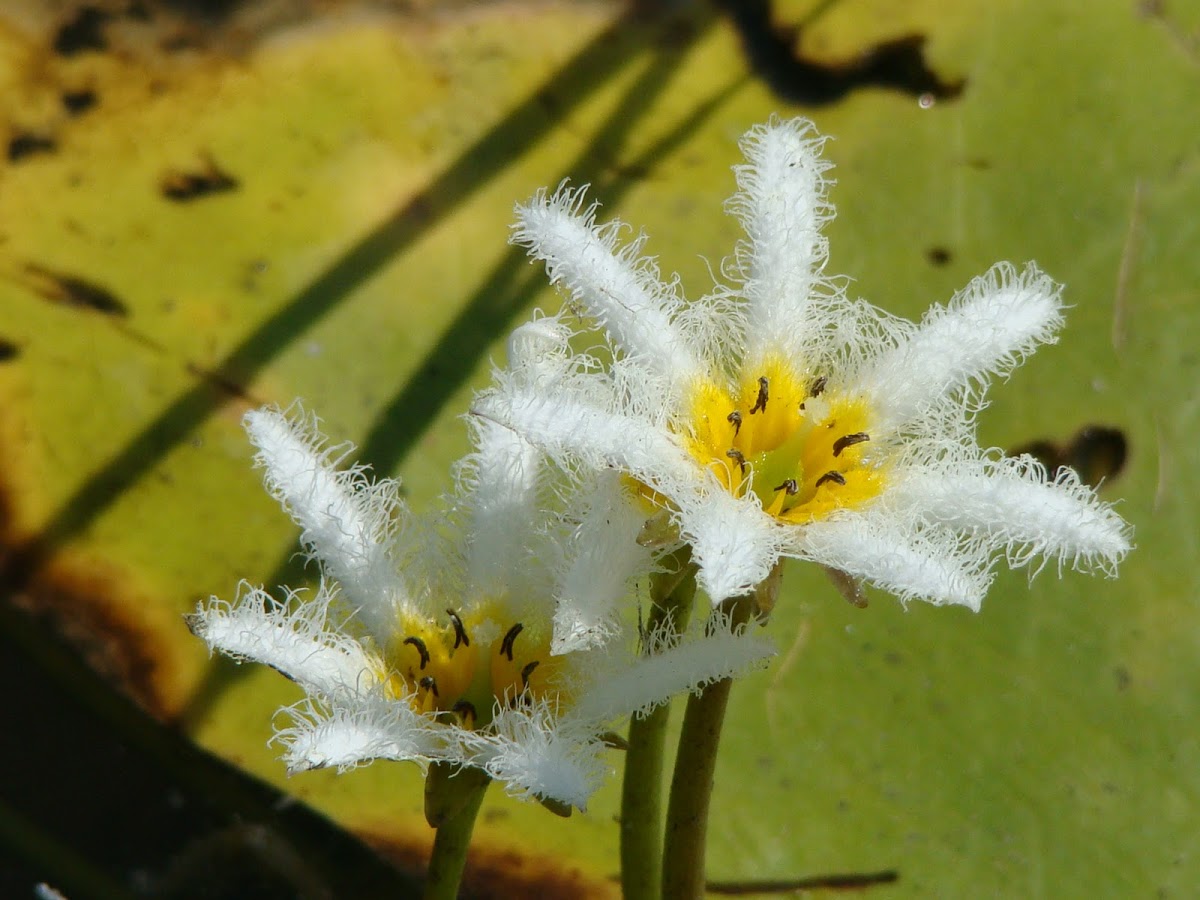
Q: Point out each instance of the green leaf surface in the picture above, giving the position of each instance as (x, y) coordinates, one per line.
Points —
(255, 209)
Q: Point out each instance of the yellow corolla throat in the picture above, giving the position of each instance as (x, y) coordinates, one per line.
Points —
(444, 668)
(804, 452)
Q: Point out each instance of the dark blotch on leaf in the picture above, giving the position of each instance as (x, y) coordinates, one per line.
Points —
(1122, 678)
(938, 256)
(897, 64)
(83, 33)
(78, 102)
(8, 351)
(70, 290)
(22, 146)
(209, 11)
(183, 187)
(1097, 452)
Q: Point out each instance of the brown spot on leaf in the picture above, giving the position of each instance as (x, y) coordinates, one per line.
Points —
(938, 256)
(8, 350)
(73, 291)
(88, 605)
(223, 383)
(1122, 678)
(495, 873)
(209, 179)
(1097, 452)
(83, 33)
(27, 144)
(76, 103)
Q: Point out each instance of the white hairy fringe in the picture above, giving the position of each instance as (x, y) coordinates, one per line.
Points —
(602, 558)
(349, 523)
(613, 284)
(325, 736)
(501, 482)
(295, 637)
(734, 543)
(986, 330)
(577, 428)
(535, 754)
(782, 205)
(1015, 504)
(888, 550)
(669, 665)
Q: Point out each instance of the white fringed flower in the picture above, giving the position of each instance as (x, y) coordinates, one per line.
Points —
(777, 418)
(488, 637)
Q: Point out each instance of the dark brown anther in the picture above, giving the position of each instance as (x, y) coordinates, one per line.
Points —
(835, 477)
(849, 440)
(526, 672)
(506, 645)
(735, 419)
(460, 631)
(465, 709)
(818, 387)
(790, 486)
(736, 456)
(429, 683)
(421, 649)
(760, 404)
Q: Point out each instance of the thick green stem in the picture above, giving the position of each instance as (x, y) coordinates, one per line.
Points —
(641, 806)
(692, 784)
(671, 594)
(450, 845)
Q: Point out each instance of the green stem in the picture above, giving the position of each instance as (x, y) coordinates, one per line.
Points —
(671, 594)
(692, 784)
(450, 845)
(641, 806)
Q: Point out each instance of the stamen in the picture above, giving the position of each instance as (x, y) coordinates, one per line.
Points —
(736, 456)
(835, 477)
(429, 683)
(421, 649)
(818, 387)
(849, 440)
(526, 672)
(735, 419)
(465, 709)
(460, 631)
(760, 405)
(506, 645)
(790, 486)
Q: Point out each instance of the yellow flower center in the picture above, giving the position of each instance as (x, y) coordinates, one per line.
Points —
(443, 668)
(780, 435)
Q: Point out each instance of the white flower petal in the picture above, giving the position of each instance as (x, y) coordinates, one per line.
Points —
(295, 638)
(538, 347)
(988, 328)
(349, 736)
(1014, 502)
(501, 479)
(568, 428)
(781, 203)
(706, 654)
(603, 556)
(883, 549)
(536, 755)
(621, 290)
(734, 543)
(348, 521)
